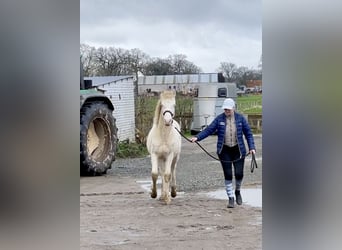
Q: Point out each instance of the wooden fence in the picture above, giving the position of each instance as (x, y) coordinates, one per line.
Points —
(184, 110)
(255, 122)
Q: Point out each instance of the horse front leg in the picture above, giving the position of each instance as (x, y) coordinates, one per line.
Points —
(173, 177)
(166, 180)
(154, 174)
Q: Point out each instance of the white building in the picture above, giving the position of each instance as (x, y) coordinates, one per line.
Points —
(120, 90)
(185, 83)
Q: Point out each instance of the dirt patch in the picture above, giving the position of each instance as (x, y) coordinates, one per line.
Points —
(132, 220)
(116, 212)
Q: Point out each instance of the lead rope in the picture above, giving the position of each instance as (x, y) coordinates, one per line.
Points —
(253, 162)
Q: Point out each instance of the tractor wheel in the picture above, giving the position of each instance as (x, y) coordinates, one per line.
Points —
(98, 140)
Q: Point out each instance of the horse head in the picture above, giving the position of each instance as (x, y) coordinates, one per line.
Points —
(168, 103)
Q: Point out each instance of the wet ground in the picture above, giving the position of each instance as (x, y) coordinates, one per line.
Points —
(116, 210)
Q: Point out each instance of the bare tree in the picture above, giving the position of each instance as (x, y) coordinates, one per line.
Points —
(157, 66)
(241, 75)
(178, 62)
(136, 61)
(101, 61)
(180, 65)
(229, 71)
(87, 54)
(173, 64)
(105, 61)
(112, 61)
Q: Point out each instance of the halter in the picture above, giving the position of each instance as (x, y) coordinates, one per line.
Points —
(168, 111)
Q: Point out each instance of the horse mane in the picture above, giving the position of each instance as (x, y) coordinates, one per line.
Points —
(157, 113)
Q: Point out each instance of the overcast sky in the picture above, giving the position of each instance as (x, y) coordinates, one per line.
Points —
(208, 32)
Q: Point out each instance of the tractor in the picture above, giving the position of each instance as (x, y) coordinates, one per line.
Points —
(98, 131)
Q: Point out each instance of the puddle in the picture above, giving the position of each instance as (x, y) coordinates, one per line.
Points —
(250, 196)
(147, 184)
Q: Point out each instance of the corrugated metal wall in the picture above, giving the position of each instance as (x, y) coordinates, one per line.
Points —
(179, 79)
(185, 83)
(121, 94)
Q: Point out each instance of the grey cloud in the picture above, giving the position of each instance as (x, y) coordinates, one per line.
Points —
(223, 13)
(198, 29)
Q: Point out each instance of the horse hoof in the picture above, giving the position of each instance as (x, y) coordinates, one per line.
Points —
(173, 192)
(154, 195)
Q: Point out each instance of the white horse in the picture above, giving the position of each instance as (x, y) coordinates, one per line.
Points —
(164, 146)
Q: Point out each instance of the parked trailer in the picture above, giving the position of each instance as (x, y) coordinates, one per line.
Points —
(208, 102)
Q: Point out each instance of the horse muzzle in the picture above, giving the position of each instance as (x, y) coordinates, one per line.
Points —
(168, 123)
(168, 117)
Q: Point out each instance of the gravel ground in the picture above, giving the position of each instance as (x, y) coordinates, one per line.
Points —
(196, 171)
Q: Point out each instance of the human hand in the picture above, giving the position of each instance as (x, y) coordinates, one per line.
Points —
(193, 139)
(252, 151)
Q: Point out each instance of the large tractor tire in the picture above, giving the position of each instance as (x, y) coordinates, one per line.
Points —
(98, 133)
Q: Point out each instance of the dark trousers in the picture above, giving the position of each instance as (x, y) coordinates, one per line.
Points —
(227, 155)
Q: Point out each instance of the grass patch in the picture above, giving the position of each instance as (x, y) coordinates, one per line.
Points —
(131, 150)
(250, 104)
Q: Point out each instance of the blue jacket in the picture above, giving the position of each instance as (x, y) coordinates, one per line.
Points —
(219, 125)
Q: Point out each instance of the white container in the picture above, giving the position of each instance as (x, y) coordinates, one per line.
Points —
(208, 103)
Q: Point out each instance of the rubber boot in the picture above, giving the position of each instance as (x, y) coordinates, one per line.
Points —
(231, 202)
(238, 197)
